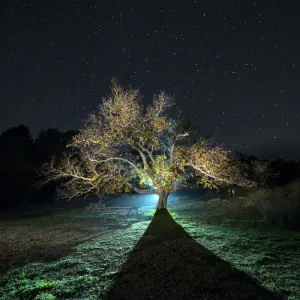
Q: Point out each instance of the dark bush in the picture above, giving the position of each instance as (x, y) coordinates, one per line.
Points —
(279, 207)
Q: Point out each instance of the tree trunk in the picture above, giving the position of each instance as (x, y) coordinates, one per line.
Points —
(162, 201)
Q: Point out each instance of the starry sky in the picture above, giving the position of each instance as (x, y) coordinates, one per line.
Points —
(232, 66)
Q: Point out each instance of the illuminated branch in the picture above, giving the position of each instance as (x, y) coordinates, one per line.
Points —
(141, 191)
(143, 156)
(178, 136)
(117, 158)
(212, 165)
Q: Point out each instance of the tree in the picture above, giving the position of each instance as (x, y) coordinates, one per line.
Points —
(126, 147)
(287, 171)
(16, 148)
(16, 168)
(51, 142)
(262, 172)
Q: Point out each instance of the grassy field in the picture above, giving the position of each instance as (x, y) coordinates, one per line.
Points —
(85, 260)
(44, 238)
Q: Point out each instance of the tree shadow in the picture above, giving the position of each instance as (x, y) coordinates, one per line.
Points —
(167, 263)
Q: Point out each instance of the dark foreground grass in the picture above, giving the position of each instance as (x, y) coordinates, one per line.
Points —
(150, 258)
(44, 236)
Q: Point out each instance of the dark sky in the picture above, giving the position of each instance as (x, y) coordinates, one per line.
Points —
(233, 66)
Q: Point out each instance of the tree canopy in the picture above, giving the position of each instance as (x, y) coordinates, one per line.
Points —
(125, 146)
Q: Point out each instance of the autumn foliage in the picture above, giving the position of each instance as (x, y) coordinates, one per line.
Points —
(126, 147)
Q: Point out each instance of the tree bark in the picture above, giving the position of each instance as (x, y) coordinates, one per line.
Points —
(162, 201)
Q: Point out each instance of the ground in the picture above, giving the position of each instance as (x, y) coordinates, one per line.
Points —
(230, 256)
(33, 238)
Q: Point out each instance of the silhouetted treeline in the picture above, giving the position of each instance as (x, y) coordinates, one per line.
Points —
(287, 171)
(20, 157)
(284, 171)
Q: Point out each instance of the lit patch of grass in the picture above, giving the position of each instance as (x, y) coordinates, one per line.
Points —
(44, 296)
(30, 289)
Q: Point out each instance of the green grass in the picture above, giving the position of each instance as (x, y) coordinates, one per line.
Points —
(271, 256)
(88, 272)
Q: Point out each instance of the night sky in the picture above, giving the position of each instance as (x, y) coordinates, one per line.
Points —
(232, 66)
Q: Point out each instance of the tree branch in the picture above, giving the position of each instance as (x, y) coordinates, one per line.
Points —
(149, 153)
(143, 156)
(178, 136)
(118, 158)
(142, 191)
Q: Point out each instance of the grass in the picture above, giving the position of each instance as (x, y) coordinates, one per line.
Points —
(89, 269)
(271, 256)
(167, 263)
(45, 237)
(86, 273)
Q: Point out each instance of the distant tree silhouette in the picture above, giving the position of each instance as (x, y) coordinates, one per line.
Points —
(20, 157)
(260, 171)
(16, 168)
(51, 142)
(287, 171)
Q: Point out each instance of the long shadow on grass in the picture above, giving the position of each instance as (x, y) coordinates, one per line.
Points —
(168, 264)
